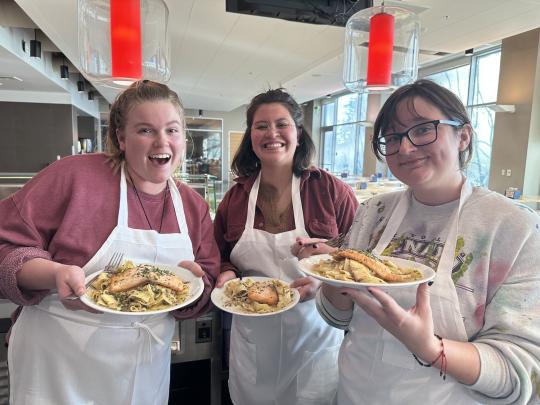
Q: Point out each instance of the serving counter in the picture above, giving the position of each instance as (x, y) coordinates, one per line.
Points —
(364, 188)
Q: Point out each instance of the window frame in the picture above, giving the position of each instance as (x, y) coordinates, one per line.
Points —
(359, 123)
(471, 106)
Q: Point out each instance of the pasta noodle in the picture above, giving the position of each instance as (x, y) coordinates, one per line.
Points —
(148, 296)
(236, 296)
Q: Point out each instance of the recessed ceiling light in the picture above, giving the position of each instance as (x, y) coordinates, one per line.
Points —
(11, 78)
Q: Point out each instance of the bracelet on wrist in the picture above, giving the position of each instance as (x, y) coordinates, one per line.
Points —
(441, 356)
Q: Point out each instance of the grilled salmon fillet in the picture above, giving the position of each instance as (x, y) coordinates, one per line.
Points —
(263, 293)
(126, 280)
(169, 281)
(370, 261)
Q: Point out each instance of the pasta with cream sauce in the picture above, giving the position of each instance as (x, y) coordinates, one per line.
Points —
(237, 297)
(146, 296)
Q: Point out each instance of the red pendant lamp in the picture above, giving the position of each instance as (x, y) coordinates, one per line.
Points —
(126, 53)
(381, 49)
(121, 41)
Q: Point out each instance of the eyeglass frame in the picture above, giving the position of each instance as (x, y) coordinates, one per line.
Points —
(453, 123)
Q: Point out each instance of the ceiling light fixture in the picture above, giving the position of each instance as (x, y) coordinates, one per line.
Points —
(64, 70)
(121, 41)
(80, 85)
(35, 47)
(391, 57)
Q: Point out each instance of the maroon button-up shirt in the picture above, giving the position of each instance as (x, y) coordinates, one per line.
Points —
(328, 204)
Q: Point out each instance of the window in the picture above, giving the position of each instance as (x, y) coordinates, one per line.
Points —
(329, 114)
(476, 85)
(343, 134)
(456, 80)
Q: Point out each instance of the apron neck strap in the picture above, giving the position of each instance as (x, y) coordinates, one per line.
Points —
(175, 197)
(447, 256)
(123, 207)
(296, 202)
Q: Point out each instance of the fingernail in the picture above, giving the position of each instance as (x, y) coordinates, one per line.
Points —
(430, 283)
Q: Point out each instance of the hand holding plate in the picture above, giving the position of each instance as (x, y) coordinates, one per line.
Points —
(306, 247)
(193, 267)
(413, 326)
(307, 287)
(224, 277)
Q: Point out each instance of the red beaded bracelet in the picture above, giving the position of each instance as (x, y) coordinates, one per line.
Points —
(441, 356)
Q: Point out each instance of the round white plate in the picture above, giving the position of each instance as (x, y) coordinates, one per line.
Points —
(196, 287)
(218, 295)
(307, 264)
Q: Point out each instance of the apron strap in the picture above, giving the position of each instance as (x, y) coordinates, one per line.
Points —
(178, 206)
(175, 196)
(447, 256)
(296, 203)
(123, 207)
(149, 335)
(252, 203)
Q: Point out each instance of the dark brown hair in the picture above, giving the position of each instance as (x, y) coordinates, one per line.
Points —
(137, 93)
(246, 162)
(431, 92)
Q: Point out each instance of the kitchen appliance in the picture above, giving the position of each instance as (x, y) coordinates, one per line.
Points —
(196, 361)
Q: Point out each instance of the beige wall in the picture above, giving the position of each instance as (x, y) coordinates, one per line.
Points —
(516, 138)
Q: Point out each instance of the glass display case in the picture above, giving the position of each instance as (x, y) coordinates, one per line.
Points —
(204, 184)
(204, 146)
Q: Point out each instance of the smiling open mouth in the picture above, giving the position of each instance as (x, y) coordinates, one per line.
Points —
(274, 145)
(160, 158)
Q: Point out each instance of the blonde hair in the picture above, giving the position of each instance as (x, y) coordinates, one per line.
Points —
(139, 92)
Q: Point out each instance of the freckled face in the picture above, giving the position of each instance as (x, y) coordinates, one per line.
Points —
(274, 136)
(153, 142)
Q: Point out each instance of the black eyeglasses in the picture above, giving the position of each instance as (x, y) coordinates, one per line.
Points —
(419, 135)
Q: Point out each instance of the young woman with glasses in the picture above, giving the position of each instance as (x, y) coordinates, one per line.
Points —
(473, 335)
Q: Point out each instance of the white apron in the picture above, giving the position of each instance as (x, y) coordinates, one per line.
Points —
(288, 358)
(57, 356)
(376, 368)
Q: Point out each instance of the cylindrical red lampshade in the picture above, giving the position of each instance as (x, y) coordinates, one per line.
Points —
(126, 53)
(121, 41)
(381, 45)
(381, 49)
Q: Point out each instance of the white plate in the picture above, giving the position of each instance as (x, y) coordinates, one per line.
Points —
(218, 295)
(196, 287)
(307, 264)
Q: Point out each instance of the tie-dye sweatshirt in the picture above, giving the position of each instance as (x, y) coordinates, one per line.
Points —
(497, 277)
